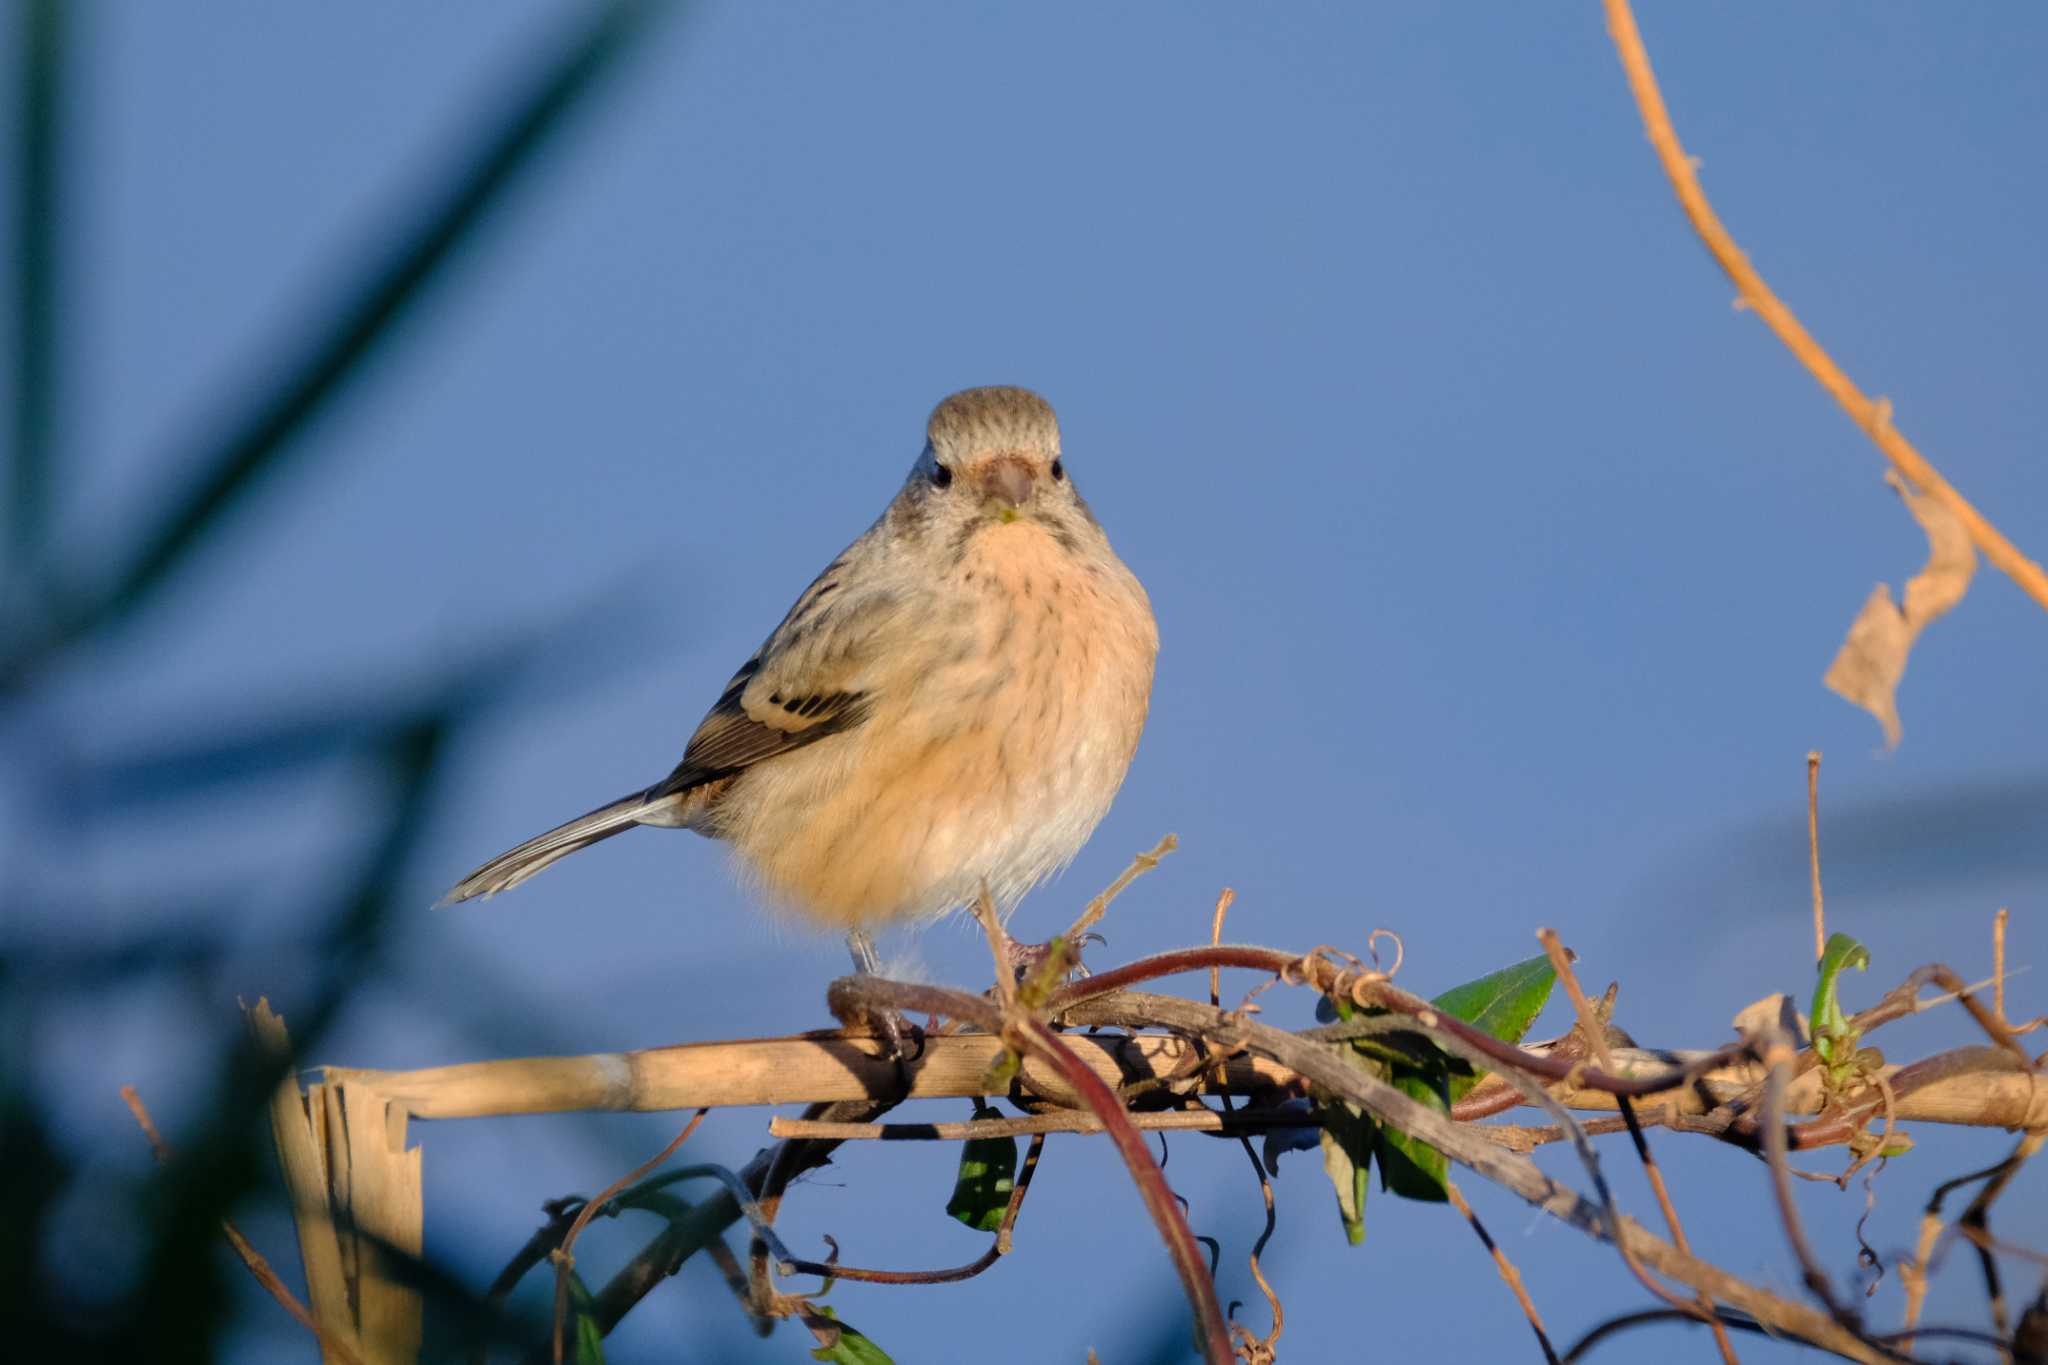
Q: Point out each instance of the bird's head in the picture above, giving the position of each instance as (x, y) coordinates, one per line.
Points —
(992, 457)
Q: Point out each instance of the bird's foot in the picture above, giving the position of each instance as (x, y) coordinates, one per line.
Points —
(1029, 960)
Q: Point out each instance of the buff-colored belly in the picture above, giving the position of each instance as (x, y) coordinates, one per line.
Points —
(987, 762)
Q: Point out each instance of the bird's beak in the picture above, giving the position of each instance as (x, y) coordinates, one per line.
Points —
(1006, 481)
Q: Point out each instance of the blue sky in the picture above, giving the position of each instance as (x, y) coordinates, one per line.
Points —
(1497, 557)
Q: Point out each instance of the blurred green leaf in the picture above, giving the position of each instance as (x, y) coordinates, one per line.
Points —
(38, 206)
(586, 1337)
(256, 440)
(1834, 1042)
(1348, 1142)
(849, 1347)
(988, 1172)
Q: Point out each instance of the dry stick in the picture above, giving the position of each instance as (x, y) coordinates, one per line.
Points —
(1255, 1350)
(1260, 1350)
(1030, 1033)
(1372, 989)
(1230, 1122)
(1140, 865)
(1223, 902)
(1820, 920)
(1778, 1056)
(251, 1258)
(564, 1255)
(1320, 1064)
(1507, 1270)
(1595, 1030)
(1213, 1332)
(1998, 964)
(1128, 1007)
(998, 947)
(1873, 416)
(1977, 1219)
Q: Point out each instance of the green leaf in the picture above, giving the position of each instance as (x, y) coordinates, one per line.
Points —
(849, 1347)
(988, 1172)
(1503, 1003)
(1348, 1139)
(1834, 1042)
(588, 1337)
(1409, 1166)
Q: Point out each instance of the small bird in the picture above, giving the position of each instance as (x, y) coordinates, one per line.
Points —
(949, 707)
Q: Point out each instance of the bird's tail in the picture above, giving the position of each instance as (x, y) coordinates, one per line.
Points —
(514, 866)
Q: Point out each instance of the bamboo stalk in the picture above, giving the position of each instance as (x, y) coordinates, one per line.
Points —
(1986, 1091)
(355, 1188)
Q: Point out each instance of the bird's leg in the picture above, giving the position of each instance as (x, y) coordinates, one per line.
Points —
(865, 958)
(894, 1029)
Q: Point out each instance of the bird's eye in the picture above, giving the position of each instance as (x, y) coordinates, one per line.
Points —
(1059, 471)
(942, 477)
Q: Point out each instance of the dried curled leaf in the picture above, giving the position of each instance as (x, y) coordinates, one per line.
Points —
(1872, 659)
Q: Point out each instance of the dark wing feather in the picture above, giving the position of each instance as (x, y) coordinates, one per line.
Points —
(734, 736)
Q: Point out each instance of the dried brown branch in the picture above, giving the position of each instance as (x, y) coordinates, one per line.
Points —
(1979, 1086)
(1178, 1048)
(1873, 416)
(1820, 918)
(853, 996)
(564, 1255)
(1256, 1350)
(1056, 1121)
(1778, 1056)
(1593, 1027)
(1508, 1273)
(253, 1259)
(1318, 1063)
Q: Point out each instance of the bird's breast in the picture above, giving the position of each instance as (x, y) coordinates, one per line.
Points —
(1005, 727)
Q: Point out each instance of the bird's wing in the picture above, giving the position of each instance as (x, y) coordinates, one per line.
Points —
(815, 676)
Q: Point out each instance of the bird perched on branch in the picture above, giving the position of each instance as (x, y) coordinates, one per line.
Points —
(950, 706)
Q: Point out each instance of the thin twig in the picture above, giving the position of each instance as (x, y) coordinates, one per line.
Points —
(999, 1248)
(251, 1258)
(1778, 1056)
(998, 948)
(1140, 865)
(1594, 1028)
(564, 1255)
(1260, 1350)
(1507, 1270)
(858, 993)
(1223, 903)
(1820, 919)
(1998, 964)
(1055, 1121)
(1872, 416)
(1977, 1219)
(1319, 1064)
(1371, 988)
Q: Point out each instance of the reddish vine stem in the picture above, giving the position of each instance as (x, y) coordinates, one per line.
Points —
(1383, 994)
(854, 996)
